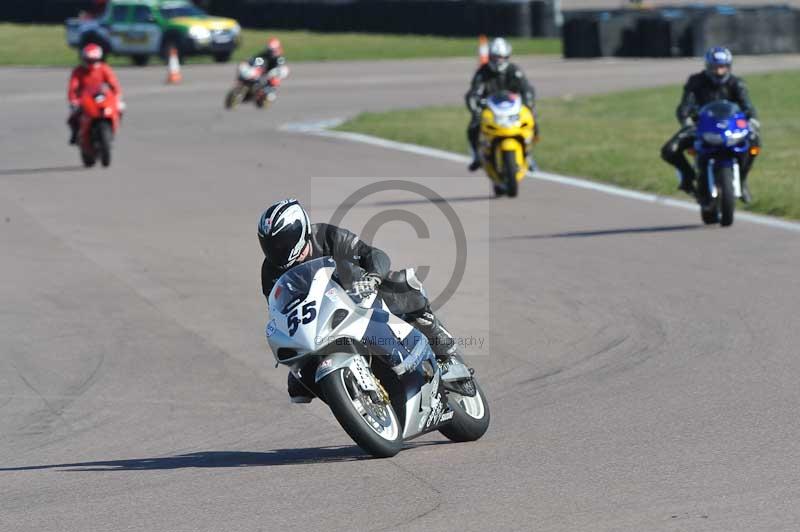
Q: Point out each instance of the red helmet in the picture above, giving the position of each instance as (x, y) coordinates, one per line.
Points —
(92, 53)
(274, 45)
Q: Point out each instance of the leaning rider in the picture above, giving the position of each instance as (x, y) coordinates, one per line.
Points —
(288, 238)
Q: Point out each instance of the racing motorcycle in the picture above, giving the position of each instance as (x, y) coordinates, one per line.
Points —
(505, 141)
(99, 121)
(723, 135)
(253, 85)
(376, 373)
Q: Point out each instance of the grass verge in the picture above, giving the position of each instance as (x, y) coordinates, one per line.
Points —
(616, 138)
(45, 45)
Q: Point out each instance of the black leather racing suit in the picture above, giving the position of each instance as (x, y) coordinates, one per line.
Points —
(402, 295)
(699, 90)
(486, 82)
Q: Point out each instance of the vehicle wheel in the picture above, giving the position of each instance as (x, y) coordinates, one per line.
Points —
(727, 202)
(140, 60)
(470, 416)
(373, 426)
(104, 137)
(88, 159)
(232, 98)
(510, 173)
(261, 98)
(222, 57)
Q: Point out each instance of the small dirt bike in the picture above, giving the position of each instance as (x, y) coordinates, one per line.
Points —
(376, 372)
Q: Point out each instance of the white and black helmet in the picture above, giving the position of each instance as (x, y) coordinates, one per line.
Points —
(283, 232)
(499, 52)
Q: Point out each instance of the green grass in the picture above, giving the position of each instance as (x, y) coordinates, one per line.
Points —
(617, 138)
(45, 45)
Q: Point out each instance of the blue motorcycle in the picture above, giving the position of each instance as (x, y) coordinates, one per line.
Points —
(723, 139)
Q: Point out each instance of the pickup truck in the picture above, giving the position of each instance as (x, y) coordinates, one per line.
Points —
(142, 28)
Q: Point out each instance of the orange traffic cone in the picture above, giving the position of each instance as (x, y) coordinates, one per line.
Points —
(173, 67)
(483, 50)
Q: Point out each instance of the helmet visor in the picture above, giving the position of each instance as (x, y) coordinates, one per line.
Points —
(285, 245)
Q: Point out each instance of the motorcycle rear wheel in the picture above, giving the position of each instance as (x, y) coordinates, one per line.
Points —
(510, 173)
(375, 428)
(470, 416)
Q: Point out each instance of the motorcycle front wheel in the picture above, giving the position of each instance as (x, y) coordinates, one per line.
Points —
(510, 173)
(104, 137)
(234, 97)
(470, 416)
(371, 424)
(728, 199)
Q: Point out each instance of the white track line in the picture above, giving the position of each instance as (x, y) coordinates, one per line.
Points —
(323, 129)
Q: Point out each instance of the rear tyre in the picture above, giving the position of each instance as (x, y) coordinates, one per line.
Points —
(510, 173)
(140, 60)
(373, 426)
(470, 416)
(105, 136)
(727, 198)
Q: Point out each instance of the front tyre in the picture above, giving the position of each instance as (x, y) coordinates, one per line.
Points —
(727, 197)
(510, 173)
(104, 137)
(470, 416)
(372, 425)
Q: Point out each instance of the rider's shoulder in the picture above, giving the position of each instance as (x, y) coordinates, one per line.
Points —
(697, 79)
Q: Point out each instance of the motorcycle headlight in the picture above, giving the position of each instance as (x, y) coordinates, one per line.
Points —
(736, 137)
(715, 139)
(200, 33)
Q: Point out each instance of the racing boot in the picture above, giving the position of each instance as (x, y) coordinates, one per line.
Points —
(747, 197)
(686, 182)
(441, 341)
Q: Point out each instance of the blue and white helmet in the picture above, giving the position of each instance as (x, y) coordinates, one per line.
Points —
(283, 232)
(717, 57)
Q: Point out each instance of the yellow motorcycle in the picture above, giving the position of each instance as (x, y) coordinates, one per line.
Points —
(505, 142)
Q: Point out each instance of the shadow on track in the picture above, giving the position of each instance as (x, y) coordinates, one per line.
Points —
(214, 459)
(43, 170)
(609, 232)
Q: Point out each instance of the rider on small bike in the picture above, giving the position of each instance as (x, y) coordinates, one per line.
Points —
(93, 73)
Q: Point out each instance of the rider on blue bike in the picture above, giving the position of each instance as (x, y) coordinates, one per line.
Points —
(715, 82)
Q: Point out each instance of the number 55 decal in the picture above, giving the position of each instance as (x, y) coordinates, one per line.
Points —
(293, 318)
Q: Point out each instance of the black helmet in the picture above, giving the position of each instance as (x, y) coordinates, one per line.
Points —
(283, 232)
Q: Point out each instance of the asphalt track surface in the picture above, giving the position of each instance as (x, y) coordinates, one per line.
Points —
(642, 369)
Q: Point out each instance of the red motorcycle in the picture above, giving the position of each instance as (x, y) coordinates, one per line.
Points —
(100, 118)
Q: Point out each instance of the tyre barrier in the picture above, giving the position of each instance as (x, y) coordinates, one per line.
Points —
(681, 32)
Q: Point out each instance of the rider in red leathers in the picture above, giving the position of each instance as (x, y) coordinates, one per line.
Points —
(90, 75)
